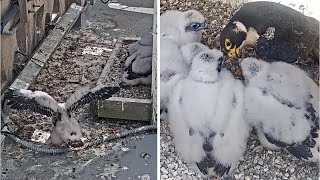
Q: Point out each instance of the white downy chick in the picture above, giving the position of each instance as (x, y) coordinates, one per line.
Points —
(282, 104)
(174, 64)
(182, 27)
(146, 40)
(206, 116)
(138, 65)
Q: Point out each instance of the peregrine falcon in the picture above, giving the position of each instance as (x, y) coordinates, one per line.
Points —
(276, 31)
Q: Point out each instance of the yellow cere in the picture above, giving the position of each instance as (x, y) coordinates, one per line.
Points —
(233, 51)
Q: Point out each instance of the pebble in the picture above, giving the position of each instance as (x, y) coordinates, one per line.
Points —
(292, 170)
(164, 171)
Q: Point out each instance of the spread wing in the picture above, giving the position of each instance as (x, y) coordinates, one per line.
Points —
(36, 101)
(85, 95)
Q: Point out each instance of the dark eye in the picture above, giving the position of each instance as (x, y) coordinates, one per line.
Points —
(195, 26)
(73, 133)
(227, 44)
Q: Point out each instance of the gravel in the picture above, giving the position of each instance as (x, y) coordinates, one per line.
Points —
(257, 163)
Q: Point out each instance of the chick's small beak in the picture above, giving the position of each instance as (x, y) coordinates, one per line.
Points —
(203, 26)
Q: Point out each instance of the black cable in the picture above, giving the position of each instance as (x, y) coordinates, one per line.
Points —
(59, 150)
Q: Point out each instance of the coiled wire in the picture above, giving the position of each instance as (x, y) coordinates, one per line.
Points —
(103, 139)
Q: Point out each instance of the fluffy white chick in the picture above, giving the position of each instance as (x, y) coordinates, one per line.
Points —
(282, 104)
(206, 116)
(142, 52)
(174, 64)
(146, 40)
(138, 65)
(182, 27)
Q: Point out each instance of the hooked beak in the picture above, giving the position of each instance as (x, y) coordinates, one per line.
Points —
(202, 26)
(233, 52)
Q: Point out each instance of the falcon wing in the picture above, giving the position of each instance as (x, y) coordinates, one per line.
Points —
(36, 101)
(86, 95)
(139, 68)
(208, 162)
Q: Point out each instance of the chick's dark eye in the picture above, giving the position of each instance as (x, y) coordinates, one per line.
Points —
(195, 26)
(228, 44)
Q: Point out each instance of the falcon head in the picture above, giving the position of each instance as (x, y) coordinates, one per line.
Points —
(193, 21)
(232, 38)
(66, 130)
(182, 27)
(207, 65)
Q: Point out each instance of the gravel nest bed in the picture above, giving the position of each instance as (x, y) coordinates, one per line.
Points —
(258, 164)
(68, 69)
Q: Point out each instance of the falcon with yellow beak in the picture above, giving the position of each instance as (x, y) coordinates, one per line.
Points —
(277, 32)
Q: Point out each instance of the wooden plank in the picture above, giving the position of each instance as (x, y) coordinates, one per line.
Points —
(59, 7)
(129, 40)
(112, 58)
(123, 108)
(46, 49)
(8, 47)
(48, 10)
(154, 67)
(23, 10)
